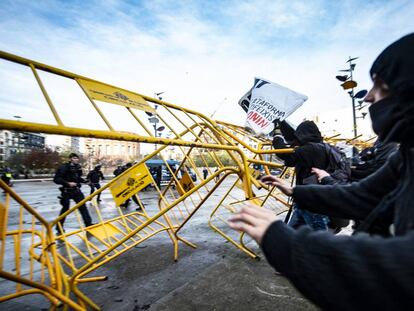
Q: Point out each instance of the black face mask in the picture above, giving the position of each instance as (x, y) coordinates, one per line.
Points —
(384, 115)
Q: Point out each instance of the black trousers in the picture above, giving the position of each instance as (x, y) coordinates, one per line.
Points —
(77, 196)
(126, 203)
(95, 186)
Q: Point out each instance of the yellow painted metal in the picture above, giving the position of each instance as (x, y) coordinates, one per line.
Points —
(23, 274)
(87, 249)
(46, 95)
(95, 106)
(102, 92)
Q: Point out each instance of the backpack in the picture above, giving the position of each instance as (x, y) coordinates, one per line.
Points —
(339, 167)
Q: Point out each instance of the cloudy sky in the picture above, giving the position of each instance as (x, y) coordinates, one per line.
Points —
(203, 54)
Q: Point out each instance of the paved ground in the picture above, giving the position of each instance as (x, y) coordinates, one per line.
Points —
(215, 276)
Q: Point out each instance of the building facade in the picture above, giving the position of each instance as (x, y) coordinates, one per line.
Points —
(111, 149)
(12, 142)
(61, 143)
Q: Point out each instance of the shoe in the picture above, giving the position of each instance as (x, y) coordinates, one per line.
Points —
(59, 231)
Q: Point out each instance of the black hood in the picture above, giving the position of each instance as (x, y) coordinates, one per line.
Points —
(308, 132)
(395, 66)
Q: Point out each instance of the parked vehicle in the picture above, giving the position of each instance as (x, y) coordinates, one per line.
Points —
(165, 172)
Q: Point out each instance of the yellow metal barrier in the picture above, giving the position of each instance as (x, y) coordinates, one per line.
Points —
(262, 161)
(195, 137)
(84, 250)
(31, 265)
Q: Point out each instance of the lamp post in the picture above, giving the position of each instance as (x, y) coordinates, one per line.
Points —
(154, 120)
(350, 84)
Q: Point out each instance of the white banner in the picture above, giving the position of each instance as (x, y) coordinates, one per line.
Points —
(267, 102)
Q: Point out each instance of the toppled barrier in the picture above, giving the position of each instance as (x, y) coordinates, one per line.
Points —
(32, 266)
(195, 137)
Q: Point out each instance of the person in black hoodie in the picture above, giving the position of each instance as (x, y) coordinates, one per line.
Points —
(359, 272)
(380, 152)
(310, 152)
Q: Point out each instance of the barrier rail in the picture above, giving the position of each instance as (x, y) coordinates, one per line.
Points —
(28, 240)
(84, 250)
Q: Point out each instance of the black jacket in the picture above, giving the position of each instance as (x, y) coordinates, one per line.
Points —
(95, 176)
(309, 153)
(381, 153)
(349, 272)
(362, 272)
(68, 172)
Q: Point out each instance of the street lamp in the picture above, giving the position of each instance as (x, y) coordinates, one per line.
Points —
(350, 84)
(152, 118)
(157, 95)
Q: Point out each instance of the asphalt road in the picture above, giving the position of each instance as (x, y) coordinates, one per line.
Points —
(215, 276)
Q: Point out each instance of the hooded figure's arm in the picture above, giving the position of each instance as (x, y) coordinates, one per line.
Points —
(289, 158)
(344, 272)
(354, 201)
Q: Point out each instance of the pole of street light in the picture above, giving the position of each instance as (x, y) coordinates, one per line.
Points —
(155, 119)
(349, 83)
(353, 98)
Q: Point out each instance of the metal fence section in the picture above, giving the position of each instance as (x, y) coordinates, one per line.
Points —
(31, 244)
(72, 255)
(262, 159)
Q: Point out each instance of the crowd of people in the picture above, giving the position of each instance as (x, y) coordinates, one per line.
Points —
(373, 268)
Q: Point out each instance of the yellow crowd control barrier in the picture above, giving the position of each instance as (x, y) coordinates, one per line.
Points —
(262, 161)
(31, 265)
(83, 250)
(356, 142)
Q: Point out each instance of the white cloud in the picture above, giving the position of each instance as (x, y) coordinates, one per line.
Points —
(199, 59)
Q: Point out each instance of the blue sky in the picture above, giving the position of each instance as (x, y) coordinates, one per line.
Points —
(205, 54)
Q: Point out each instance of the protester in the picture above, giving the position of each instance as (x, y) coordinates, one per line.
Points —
(324, 178)
(69, 175)
(94, 177)
(310, 152)
(373, 159)
(359, 272)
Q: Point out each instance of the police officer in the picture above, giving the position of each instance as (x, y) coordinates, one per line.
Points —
(7, 176)
(69, 175)
(94, 177)
(205, 173)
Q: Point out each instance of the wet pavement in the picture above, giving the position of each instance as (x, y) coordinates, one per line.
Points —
(215, 276)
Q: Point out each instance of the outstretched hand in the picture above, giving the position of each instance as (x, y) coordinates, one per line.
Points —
(253, 220)
(320, 174)
(279, 183)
